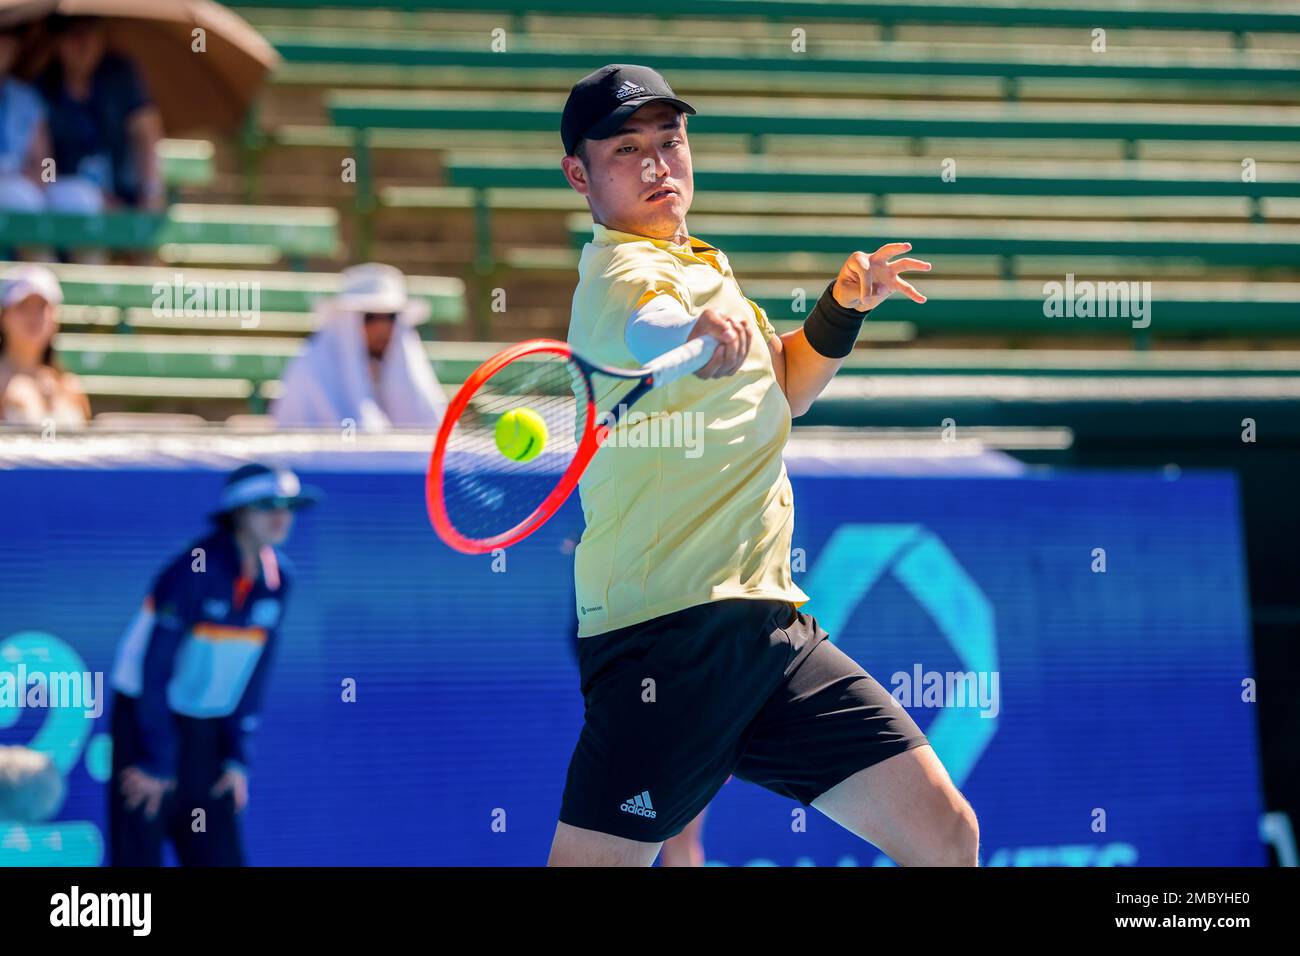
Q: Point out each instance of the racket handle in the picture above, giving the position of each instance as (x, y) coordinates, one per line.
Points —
(682, 360)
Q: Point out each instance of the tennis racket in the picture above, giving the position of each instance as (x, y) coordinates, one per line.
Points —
(480, 500)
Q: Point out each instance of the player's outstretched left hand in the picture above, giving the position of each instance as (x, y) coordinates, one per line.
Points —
(867, 280)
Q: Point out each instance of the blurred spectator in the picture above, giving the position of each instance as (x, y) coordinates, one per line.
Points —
(33, 386)
(365, 363)
(103, 127)
(189, 674)
(31, 787)
(24, 138)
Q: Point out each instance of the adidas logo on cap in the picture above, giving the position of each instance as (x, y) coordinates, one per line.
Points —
(628, 89)
(639, 805)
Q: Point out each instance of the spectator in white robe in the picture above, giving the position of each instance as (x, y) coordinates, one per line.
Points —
(365, 364)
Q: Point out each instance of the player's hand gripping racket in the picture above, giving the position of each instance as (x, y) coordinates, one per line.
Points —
(519, 434)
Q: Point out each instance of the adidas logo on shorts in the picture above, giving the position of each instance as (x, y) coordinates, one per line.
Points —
(639, 805)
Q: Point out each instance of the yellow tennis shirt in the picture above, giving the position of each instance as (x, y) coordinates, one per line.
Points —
(688, 501)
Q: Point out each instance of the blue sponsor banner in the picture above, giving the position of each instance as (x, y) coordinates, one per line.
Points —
(1092, 717)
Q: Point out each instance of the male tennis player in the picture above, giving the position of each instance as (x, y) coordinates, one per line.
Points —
(694, 658)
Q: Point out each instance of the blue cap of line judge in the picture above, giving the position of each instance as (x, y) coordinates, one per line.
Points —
(262, 487)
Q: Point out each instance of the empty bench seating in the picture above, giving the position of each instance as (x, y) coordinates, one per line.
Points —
(126, 298)
(186, 162)
(1234, 244)
(1242, 19)
(193, 231)
(162, 367)
(759, 120)
(345, 48)
(210, 366)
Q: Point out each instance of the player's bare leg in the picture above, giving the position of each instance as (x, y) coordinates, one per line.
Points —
(687, 847)
(574, 846)
(908, 807)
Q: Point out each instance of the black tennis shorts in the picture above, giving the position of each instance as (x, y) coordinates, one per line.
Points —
(748, 687)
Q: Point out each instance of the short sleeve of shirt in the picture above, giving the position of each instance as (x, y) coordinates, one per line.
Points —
(636, 277)
(760, 316)
(125, 88)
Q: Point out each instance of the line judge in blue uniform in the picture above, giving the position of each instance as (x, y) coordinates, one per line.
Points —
(188, 676)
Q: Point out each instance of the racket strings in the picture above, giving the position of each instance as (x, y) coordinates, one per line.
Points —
(485, 492)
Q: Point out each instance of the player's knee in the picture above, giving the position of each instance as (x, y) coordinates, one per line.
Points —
(574, 846)
(959, 836)
(949, 836)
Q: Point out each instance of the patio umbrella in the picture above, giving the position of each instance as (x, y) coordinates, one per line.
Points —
(194, 90)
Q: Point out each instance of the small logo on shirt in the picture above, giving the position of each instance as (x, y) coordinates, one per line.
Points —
(639, 805)
(591, 610)
(265, 613)
(628, 89)
(168, 616)
(215, 608)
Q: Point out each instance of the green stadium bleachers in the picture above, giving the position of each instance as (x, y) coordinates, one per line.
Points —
(973, 308)
(368, 109)
(1253, 244)
(296, 233)
(226, 367)
(186, 162)
(365, 111)
(517, 182)
(134, 291)
(342, 50)
(1244, 18)
(746, 174)
(1125, 166)
(244, 368)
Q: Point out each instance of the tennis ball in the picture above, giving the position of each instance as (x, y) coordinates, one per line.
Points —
(521, 434)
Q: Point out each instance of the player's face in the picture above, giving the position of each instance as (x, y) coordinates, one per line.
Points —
(268, 525)
(639, 180)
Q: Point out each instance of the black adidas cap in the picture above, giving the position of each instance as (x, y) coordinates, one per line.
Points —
(600, 101)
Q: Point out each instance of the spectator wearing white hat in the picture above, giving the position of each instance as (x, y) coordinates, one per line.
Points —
(365, 363)
(34, 388)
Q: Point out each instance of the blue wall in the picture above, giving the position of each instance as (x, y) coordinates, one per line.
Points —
(1118, 691)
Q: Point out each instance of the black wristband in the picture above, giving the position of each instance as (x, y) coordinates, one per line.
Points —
(831, 329)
